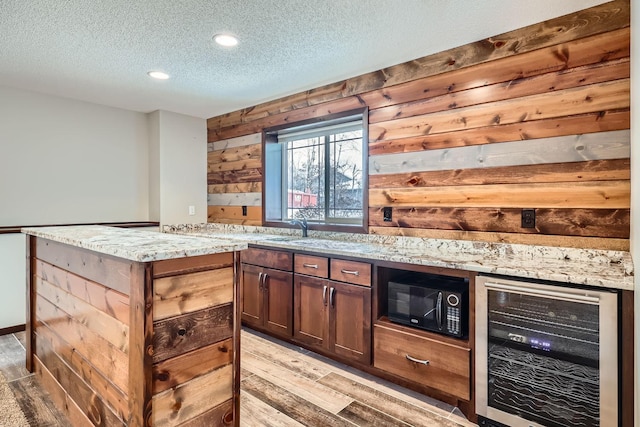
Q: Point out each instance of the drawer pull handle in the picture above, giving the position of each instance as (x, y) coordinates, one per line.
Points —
(310, 265)
(354, 272)
(413, 359)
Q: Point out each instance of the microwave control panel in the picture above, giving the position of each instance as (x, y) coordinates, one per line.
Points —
(453, 314)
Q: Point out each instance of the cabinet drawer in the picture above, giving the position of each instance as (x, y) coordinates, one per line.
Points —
(279, 260)
(311, 265)
(355, 272)
(448, 369)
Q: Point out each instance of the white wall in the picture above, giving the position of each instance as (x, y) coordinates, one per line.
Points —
(180, 143)
(64, 161)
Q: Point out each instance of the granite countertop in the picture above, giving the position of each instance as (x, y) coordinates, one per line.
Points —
(135, 245)
(601, 268)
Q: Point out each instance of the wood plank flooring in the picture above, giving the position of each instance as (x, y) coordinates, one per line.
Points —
(282, 386)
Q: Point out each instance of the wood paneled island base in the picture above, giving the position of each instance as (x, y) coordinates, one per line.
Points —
(118, 342)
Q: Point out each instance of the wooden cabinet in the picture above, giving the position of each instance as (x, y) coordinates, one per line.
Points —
(267, 293)
(332, 316)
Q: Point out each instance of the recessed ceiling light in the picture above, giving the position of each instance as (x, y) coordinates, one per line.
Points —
(158, 75)
(226, 40)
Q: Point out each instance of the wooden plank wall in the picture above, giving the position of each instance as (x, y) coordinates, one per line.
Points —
(461, 141)
(82, 332)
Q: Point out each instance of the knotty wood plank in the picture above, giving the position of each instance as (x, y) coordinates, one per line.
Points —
(141, 346)
(588, 195)
(185, 367)
(525, 239)
(112, 272)
(221, 415)
(580, 100)
(188, 400)
(390, 405)
(235, 176)
(240, 141)
(234, 154)
(315, 394)
(176, 295)
(516, 88)
(76, 388)
(562, 126)
(257, 413)
(594, 170)
(290, 404)
(59, 397)
(235, 199)
(575, 53)
(85, 369)
(551, 34)
(193, 264)
(36, 405)
(178, 335)
(214, 213)
(610, 223)
(109, 328)
(12, 358)
(562, 149)
(241, 187)
(108, 360)
(111, 302)
(250, 163)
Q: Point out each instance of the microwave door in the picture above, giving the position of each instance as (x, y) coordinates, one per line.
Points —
(425, 309)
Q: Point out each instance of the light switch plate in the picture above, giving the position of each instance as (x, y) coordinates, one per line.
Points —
(192, 210)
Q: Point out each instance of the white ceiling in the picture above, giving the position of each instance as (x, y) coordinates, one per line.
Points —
(101, 50)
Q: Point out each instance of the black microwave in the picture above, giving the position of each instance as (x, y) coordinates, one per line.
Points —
(431, 302)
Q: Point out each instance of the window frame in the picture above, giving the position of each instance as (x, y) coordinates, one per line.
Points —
(270, 136)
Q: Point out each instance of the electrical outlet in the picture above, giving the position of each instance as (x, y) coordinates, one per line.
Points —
(244, 211)
(387, 214)
(528, 219)
(192, 210)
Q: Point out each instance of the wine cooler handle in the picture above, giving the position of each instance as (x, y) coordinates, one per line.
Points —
(413, 359)
(524, 290)
(439, 310)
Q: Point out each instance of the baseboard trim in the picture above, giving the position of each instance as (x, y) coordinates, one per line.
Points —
(12, 329)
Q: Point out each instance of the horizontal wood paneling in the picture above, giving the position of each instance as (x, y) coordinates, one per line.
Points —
(240, 187)
(572, 125)
(585, 99)
(175, 266)
(225, 213)
(240, 141)
(99, 296)
(561, 149)
(460, 141)
(181, 334)
(595, 195)
(185, 367)
(568, 222)
(235, 199)
(235, 154)
(595, 170)
(175, 406)
(176, 295)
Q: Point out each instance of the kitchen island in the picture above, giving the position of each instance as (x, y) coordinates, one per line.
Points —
(136, 328)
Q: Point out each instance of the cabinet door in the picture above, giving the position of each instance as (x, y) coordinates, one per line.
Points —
(251, 295)
(278, 302)
(310, 312)
(350, 321)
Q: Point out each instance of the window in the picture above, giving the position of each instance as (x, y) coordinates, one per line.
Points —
(317, 171)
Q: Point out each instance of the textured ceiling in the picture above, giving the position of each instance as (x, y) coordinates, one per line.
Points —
(101, 50)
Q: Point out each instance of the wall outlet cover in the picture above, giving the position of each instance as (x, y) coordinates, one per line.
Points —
(387, 214)
(528, 219)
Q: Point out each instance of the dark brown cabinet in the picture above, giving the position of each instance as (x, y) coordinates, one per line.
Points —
(267, 293)
(333, 316)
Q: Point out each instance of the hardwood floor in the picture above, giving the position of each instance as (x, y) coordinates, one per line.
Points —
(282, 385)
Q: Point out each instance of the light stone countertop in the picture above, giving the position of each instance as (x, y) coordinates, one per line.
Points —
(600, 268)
(135, 245)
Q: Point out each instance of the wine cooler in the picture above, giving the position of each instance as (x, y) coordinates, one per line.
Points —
(545, 355)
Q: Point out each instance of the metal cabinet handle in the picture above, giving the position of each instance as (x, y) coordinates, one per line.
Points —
(310, 265)
(264, 282)
(413, 359)
(260, 280)
(354, 272)
(332, 301)
(324, 295)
